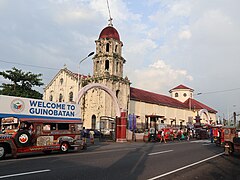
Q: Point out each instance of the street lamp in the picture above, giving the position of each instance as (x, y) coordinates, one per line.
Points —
(90, 54)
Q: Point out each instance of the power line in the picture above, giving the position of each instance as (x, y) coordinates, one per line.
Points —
(43, 67)
(221, 91)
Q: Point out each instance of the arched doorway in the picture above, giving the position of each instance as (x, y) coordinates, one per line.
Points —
(93, 122)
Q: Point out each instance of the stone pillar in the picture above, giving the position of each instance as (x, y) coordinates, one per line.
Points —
(121, 127)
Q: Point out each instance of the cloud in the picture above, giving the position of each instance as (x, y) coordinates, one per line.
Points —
(185, 34)
(159, 77)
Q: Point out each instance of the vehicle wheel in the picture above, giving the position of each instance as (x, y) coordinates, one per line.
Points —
(64, 147)
(22, 138)
(2, 151)
(47, 151)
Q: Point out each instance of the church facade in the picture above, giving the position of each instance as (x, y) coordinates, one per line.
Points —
(178, 109)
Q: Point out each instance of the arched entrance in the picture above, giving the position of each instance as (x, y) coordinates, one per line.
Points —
(203, 112)
(121, 116)
(106, 89)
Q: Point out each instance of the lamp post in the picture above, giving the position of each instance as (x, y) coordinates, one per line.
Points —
(90, 54)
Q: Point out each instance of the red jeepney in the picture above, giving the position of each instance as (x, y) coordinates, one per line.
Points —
(231, 140)
(39, 135)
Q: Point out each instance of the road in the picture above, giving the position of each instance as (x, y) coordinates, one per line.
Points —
(178, 160)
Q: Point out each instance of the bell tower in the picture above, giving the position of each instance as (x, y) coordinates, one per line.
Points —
(108, 59)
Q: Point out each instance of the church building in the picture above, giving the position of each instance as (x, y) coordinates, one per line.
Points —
(97, 108)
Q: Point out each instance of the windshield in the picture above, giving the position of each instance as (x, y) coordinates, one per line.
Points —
(9, 125)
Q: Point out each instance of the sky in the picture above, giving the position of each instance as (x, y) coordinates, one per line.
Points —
(165, 42)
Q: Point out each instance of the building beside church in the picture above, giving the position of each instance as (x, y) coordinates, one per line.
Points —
(178, 109)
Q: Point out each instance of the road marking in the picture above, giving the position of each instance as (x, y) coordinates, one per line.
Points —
(190, 165)
(200, 141)
(26, 173)
(161, 152)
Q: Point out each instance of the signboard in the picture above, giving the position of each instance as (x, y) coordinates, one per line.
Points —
(35, 108)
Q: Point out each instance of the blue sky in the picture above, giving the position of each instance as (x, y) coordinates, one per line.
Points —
(166, 42)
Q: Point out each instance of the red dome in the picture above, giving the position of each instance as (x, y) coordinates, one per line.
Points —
(109, 32)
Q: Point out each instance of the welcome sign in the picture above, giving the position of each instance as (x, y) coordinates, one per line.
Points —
(25, 107)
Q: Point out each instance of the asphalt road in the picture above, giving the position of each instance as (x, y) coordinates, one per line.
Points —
(179, 160)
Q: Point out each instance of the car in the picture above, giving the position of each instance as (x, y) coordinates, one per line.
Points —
(97, 133)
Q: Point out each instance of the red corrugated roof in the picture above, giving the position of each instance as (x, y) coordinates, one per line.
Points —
(194, 104)
(154, 98)
(182, 87)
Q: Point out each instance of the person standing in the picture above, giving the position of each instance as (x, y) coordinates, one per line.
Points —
(163, 136)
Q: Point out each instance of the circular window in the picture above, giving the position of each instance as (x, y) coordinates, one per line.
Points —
(184, 94)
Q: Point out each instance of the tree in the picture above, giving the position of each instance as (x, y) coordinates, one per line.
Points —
(23, 82)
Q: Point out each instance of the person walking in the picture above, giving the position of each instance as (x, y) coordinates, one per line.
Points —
(163, 136)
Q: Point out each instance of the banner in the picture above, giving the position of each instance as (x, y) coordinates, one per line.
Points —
(35, 108)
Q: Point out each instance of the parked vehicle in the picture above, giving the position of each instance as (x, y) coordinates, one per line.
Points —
(231, 140)
(21, 135)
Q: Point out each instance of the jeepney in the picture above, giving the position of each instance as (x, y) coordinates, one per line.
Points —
(231, 140)
(31, 125)
(39, 135)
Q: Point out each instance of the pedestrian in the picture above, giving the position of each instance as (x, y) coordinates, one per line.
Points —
(163, 136)
(211, 135)
(188, 134)
(84, 134)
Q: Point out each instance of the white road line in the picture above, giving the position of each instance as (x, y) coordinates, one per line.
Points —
(190, 165)
(161, 152)
(200, 141)
(26, 173)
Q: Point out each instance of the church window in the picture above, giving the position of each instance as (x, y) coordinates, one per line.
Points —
(107, 47)
(185, 95)
(107, 65)
(176, 94)
(60, 97)
(61, 81)
(116, 48)
(117, 93)
(117, 67)
(71, 96)
(97, 66)
(93, 122)
(51, 98)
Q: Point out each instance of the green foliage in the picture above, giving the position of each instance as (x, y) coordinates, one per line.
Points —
(23, 82)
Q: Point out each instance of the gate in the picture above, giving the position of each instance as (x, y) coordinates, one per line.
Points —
(108, 128)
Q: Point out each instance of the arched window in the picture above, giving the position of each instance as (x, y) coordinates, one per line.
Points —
(60, 97)
(50, 97)
(107, 47)
(61, 81)
(117, 67)
(117, 93)
(71, 96)
(93, 122)
(107, 65)
(176, 94)
(97, 66)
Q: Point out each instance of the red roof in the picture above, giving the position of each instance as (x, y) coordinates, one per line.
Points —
(194, 104)
(109, 32)
(154, 98)
(181, 87)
